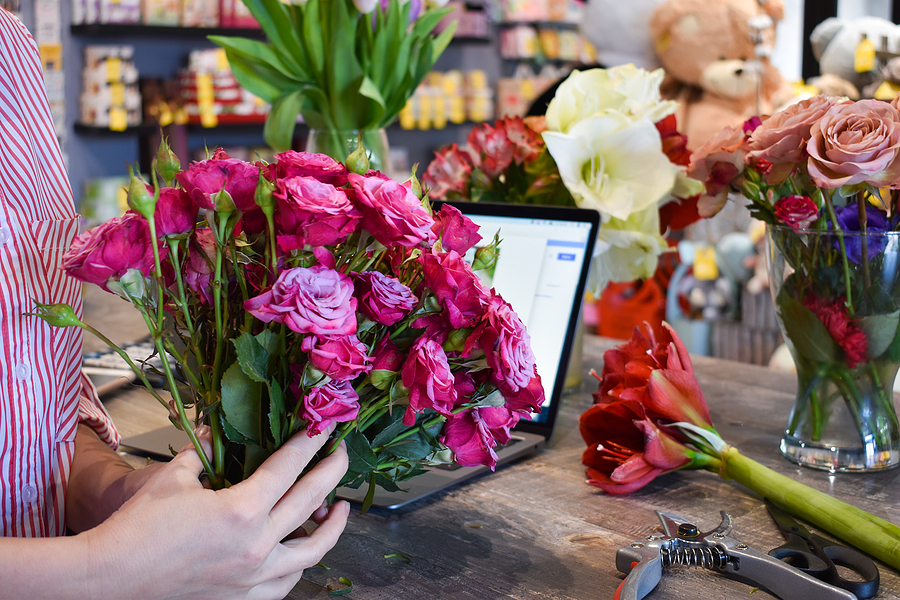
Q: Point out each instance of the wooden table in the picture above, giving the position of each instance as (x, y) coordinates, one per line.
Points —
(536, 530)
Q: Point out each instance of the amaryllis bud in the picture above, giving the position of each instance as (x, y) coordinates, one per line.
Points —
(167, 163)
(139, 198)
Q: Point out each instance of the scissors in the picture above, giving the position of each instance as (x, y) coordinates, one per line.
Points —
(683, 543)
(818, 556)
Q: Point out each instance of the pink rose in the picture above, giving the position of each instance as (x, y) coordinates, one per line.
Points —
(458, 290)
(391, 212)
(491, 149)
(796, 211)
(175, 213)
(306, 164)
(312, 212)
(856, 142)
(717, 163)
(781, 139)
(386, 356)
(506, 345)
(315, 300)
(204, 180)
(426, 373)
(448, 172)
(383, 299)
(341, 358)
(106, 252)
(198, 268)
(472, 434)
(456, 230)
(331, 402)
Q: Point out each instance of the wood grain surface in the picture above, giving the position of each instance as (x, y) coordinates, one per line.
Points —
(535, 530)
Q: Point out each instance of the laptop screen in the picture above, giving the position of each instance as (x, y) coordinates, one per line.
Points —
(541, 271)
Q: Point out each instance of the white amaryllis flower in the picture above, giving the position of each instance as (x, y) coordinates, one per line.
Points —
(613, 164)
(627, 249)
(627, 89)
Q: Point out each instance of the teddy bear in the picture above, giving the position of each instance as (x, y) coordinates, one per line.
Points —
(715, 53)
(834, 44)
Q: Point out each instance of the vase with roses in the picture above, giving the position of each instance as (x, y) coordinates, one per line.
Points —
(823, 174)
(291, 297)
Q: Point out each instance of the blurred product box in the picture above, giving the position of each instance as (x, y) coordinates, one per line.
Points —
(448, 97)
(470, 23)
(526, 10)
(120, 11)
(110, 95)
(161, 12)
(211, 95)
(200, 13)
(104, 199)
(233, 13)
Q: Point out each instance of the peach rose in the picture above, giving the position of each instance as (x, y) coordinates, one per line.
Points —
(717, 163)
(856, 143)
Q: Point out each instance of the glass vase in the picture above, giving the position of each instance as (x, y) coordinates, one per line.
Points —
(837, 301)
(339, 143)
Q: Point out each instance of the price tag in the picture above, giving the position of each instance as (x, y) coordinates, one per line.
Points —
(118, 119)
(117, 94)
(222, 60)
(208, 118)
(113, 69)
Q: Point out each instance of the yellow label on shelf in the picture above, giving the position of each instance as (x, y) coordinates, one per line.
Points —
(887, 91)
(222, 60)
(51, 56)
(864, 56)
(208, 118)
(165, 115)
(113, 69)
(118, 119)
(117, 94)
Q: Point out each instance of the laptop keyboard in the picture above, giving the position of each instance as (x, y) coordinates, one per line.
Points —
(454, 466)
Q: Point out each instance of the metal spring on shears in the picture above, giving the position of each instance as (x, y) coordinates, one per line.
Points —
(709, 557)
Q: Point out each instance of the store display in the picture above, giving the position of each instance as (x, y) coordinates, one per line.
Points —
(211, 95)
(451, 97)
(110, 96)
(516, 94)
(161, 12)
(200, 13)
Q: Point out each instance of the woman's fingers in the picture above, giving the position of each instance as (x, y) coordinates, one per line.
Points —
(294, 555)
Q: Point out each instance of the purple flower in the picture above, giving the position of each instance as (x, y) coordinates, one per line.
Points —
(383, 299)
(848, 220)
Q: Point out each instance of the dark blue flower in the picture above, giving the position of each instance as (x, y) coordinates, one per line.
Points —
(848, 220)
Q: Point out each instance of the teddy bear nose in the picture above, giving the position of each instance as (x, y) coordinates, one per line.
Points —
(739, 72)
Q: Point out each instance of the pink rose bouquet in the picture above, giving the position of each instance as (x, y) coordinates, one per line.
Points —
(306, 293)
(824, 175)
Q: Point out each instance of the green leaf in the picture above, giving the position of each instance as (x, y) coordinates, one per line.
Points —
(362, 458)
(807, 333)
(265, 82)
(275, 20)
(253, 357)
(279, 128)
(276, 412)
(880, 331)
(341, 591)
(412, 448)
(241, 403)
(259, 53)
(391, 431)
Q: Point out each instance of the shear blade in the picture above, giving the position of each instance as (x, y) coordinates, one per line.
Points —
(671, 521)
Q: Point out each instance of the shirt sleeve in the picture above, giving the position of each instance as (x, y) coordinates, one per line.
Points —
(92, 413)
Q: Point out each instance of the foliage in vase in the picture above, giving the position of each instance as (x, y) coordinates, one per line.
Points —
(608, 142)
(302, 295)
(342, 64)
(823, 174)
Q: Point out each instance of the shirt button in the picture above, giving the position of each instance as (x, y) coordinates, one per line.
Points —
(29, 494)
(5, 235)
(23, 371)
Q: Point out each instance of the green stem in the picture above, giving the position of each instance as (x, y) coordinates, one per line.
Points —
(863, 241)
(840, 236)
(854, 526)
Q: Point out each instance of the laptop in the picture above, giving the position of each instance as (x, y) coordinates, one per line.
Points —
(542, 268)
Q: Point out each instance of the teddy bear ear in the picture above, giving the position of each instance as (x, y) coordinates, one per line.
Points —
(663, 20)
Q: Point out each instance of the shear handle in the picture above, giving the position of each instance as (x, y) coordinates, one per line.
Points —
(855, 561)
(644, 576)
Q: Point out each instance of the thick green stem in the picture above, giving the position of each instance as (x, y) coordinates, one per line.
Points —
(858, 528)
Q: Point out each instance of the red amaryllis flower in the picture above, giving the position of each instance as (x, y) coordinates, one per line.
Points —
(448, 172)
(492, 150)
(836, 319)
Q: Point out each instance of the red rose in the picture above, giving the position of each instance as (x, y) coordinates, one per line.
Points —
(473, 434)
(426, 373)
(312, 212)
(506, 345)
(106, 252)
(175, 213)
(796, 211)
(333, 401)
(198, 268)
(341, 358)
(204, 180)
(836, 318)
(458, 290)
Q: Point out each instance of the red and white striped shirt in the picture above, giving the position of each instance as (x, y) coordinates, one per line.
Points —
(43, 394)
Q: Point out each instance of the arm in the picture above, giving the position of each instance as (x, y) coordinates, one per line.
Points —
(176, 539)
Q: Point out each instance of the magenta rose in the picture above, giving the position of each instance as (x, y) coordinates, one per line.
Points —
(458, 290)
(781, 139)
(473, 434)
(387, 357)
(856, 142)
(315, 300)
(204, 179)
(382, 298)
(391, 212)
(448, 172)
(175, 213)
(306, 164)
(456, 230)
(106, 252)
(796, 211)
(426, 373)
(341, 358)
(312, 212)
(506, 345)
(331, 402)
(198, 268)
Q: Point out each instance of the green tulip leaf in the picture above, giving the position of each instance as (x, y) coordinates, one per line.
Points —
(279, 128)
(275, 20)
(807, 333)
(880, 331)
(241, 402)
(261, 81)
(259, 53)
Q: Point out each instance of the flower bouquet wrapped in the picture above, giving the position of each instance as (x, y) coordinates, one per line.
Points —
(307, 295)
(341, 64)
(823, 174)
(650, 417)
(608, 142)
